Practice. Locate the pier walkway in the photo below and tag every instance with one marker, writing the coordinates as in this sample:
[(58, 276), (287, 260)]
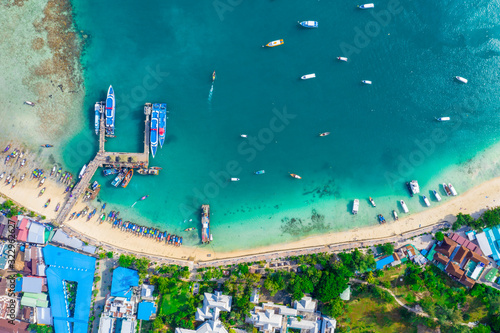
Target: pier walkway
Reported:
[(103, 158)]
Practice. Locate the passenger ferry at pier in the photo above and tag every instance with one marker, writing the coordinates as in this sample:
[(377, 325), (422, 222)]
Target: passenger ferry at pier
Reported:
[(275, 43), (309, 24), (110, 112), (162, 123), (355, 206), (308, 76), (97, 116), (154, 129), (405, 208), (366, 6)]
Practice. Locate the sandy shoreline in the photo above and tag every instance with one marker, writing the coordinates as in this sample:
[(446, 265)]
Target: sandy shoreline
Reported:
[(472, 202)]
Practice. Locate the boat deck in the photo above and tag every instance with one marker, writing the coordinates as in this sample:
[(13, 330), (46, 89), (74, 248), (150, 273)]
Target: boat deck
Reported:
[(205, 223)]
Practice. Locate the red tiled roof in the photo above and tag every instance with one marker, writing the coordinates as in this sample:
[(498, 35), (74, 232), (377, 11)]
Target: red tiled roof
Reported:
[(466, 281), (477, 258), (460, 255), (440, 258), (447, 247), (454, 270)]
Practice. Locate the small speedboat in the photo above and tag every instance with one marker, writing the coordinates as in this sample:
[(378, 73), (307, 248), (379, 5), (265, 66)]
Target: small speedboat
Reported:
[(189, 229), (213, 76), (235, 179), (342, 59), (443, 119), (446, 189), (295, 176), (366, 6), (395, 215), (366, 81), (29, 103), (94, 185), (244, 135), (405, 208), (309, 24), (324, 134), (47, 203), (436, 195), (308, 76), (461, 79), (452, 189), (6, 149), (355, 206), (427, 202), (381, 219), (372, 202), (275, 43), (260, 172), (47, 146)]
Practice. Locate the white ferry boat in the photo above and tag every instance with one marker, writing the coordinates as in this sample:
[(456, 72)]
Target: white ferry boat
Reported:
[(414, 187), (461, 79), (342, 59), (355, 206), (405, 208), (366, 82), (452, 189), (443, 119), (366, 6), (308, 76), (436, 195), (427, 202)]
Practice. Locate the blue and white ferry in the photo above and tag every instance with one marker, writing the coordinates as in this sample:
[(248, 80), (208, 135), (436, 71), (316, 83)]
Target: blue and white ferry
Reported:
[(110, 112), (309, 24)]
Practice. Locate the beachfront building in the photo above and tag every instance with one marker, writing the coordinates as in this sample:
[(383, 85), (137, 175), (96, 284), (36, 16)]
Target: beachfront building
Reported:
[(65, 266), (271, 318), (489, 241), (62, 238), (118, 315), (213, 304), (125, 282)]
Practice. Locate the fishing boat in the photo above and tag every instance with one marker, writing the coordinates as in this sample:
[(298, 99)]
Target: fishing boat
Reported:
[(436, 195), (295, 176), (6, 149), (42, 181), (22, 177), (461, 79), (189, 229), (57, 207), (47, 203), (415, 189), (149, 171), (9, 180), (309, 24), (260, 172), (213, 76), (58, 174), (275, 43), (443, 119), (162, 124), (7, 159), (243, 135), (154, 129), (29, 103), (72, 216), (110, 112), (452, 189), (103, 207), (395, 214), (372, 202), (355, 206), (235, 179), (324, 134), (426, 201), (23, 162), (94, 185), (82, 171), (366, 6), (3, 174), (127, 178), (97, 116), (145, 197), (47, 146), (53, 171), (118, 179), (308, 76), (342, 59), (366, 81), (446, 189), (14, 183), (112, 171), (403, 205), (381, 219)]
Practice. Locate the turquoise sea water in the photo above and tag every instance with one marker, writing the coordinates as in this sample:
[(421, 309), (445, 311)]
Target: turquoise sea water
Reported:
[(382, 135)]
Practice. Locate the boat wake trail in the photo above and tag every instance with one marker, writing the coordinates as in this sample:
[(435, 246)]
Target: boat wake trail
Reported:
[(134, 204), (210, 93)]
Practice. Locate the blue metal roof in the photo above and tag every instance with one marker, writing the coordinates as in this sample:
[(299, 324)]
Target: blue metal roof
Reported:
[(385, 261), (123, 279), (145, 310), (70, 266)]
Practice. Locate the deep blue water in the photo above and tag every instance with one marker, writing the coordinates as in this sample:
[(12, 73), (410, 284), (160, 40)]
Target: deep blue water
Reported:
[(382, 135)]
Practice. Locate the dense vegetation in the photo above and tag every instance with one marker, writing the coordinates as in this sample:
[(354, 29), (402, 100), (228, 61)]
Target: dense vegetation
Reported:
[(488, 219)]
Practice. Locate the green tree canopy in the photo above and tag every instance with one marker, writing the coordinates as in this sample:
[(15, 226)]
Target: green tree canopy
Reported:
[(439, 236)]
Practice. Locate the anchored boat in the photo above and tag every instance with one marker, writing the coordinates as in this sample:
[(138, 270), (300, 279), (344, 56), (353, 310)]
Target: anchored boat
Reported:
[(260, 172), (118, 179), (372, 202), (366, 81), (324, 134), (342, 59), (381, 219), (355, 206), (414, 188), (162, 123), (436, 195), (443, 119), (405, 208), (127, 178), (295, 176), (427, 202), (395, 215), (149, 171), (275, 43), (97, 116), (29, 103), (110, 112), (461, 79), (308, 76), (154, 129), (446, 189), (366, 6), (452, 189), (235, 179), (309, 24)]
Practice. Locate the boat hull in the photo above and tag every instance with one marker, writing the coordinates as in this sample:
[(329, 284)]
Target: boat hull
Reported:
[(110, 112)]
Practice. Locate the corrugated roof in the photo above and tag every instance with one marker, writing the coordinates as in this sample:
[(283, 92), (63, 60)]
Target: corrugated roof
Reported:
[(32, 284), (145, 310), (36, 233)]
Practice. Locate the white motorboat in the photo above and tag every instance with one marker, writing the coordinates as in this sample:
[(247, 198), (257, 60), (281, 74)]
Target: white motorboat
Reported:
[(427, 202), (342, 58), (366, 6), (405, 208), (447, 189), (355, 206), (82, 172), (235, 179), (443, 119), (414, 187), (274, 43), (309, 24), (395, 215), (243, 135), (436, 195), (366, 82), (452, 189), (461, 79), (308, 76), (29, 103), (372, 202)]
